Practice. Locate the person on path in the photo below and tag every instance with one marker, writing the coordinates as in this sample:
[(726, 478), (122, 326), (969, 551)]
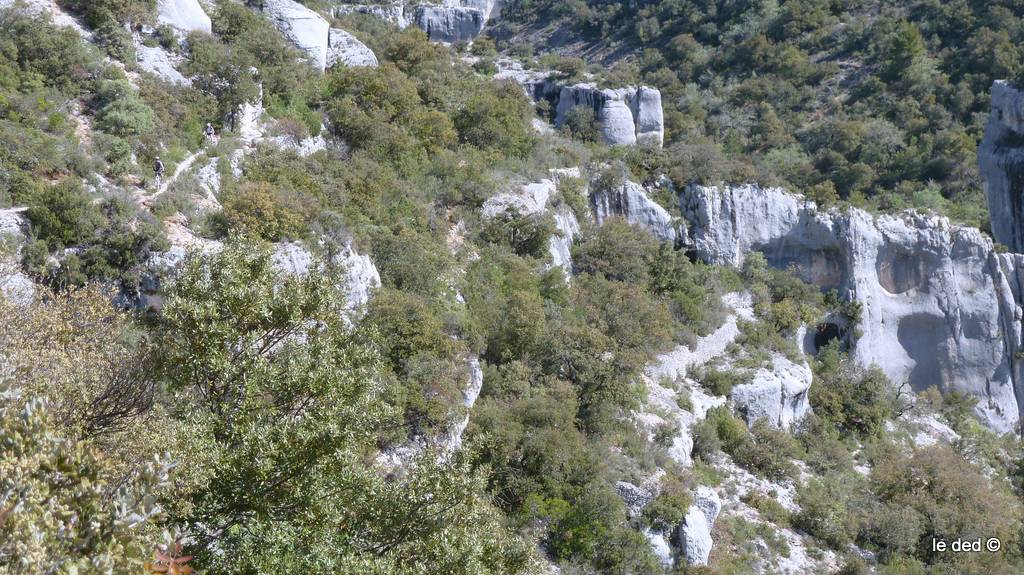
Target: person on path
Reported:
[(158, 170)]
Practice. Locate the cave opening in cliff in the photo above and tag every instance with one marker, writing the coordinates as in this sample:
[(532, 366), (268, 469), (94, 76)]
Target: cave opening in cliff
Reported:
[(826, 333)]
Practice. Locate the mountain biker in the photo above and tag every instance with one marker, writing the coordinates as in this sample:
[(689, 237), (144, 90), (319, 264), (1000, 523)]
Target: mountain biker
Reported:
[(158, 169)]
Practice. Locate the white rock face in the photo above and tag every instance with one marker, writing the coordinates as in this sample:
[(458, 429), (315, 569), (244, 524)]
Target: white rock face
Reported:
[(394, 13), (361, 276), (1001, 165), (660, 547), (627, 116), (348, 50), (940, 306), (302, 26), (159, 62), (185, 15), (56, 14), (449, 24), (361, 280), (662, 400), (695, 532), (533, 199), (13, 227), (247, 120), (631, 202), (567, 227), (645, 104), (530, 199), (777, 395), (14, 284), (452, 440), (489, 8)]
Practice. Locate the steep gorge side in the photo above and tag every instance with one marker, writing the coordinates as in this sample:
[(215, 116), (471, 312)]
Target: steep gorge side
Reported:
[(940, 306), (1001, 165)]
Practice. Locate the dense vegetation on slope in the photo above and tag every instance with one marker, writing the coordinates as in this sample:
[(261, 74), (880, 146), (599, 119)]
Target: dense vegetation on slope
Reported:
[(880, 103), (272, 411)]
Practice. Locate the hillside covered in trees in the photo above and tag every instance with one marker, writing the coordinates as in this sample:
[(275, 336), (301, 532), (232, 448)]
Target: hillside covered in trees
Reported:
[(297, 287)]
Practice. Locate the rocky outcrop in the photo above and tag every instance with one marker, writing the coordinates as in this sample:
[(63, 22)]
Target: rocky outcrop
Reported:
[(449, 23), (533, 199), (695, 532), (777, 395), (489, 8), (14, 229), (248, 117), (629, 200), (184, 15), (393, 13), (361, 276), (940, 307), (360, 279), (306, 29), (1001, 165), (451, 441), (159, 62), (348, 50), (626, 116)]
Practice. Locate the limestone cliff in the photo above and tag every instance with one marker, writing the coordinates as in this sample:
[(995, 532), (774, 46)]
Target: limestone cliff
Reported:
[(185, 15), (629, 201), (940, 305), (309, 31), (626, 116), (1001, 165)]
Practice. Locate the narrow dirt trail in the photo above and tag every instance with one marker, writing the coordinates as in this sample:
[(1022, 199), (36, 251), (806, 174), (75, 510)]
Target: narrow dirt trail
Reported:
[(146, 200)]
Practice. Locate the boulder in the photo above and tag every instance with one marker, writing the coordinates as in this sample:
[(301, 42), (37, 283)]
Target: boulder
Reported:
[(449, 24), (626, 116), (695, 532), (629, 201), (306, 29), (940, 306), (1001, 165), (184, 15), (660, 547), (777, 395), (348, 50)]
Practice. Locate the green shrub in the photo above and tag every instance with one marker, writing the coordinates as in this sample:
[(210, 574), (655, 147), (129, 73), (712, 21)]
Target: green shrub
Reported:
[(64, 214), (824, 513), (768, 507), (526, 234), (669, 508), (260, 210), (854, 400), (719, 381), (616, 250)]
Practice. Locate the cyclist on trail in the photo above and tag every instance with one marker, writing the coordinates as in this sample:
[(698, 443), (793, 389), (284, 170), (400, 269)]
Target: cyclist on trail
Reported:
[(158, 170), (211, 135)]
